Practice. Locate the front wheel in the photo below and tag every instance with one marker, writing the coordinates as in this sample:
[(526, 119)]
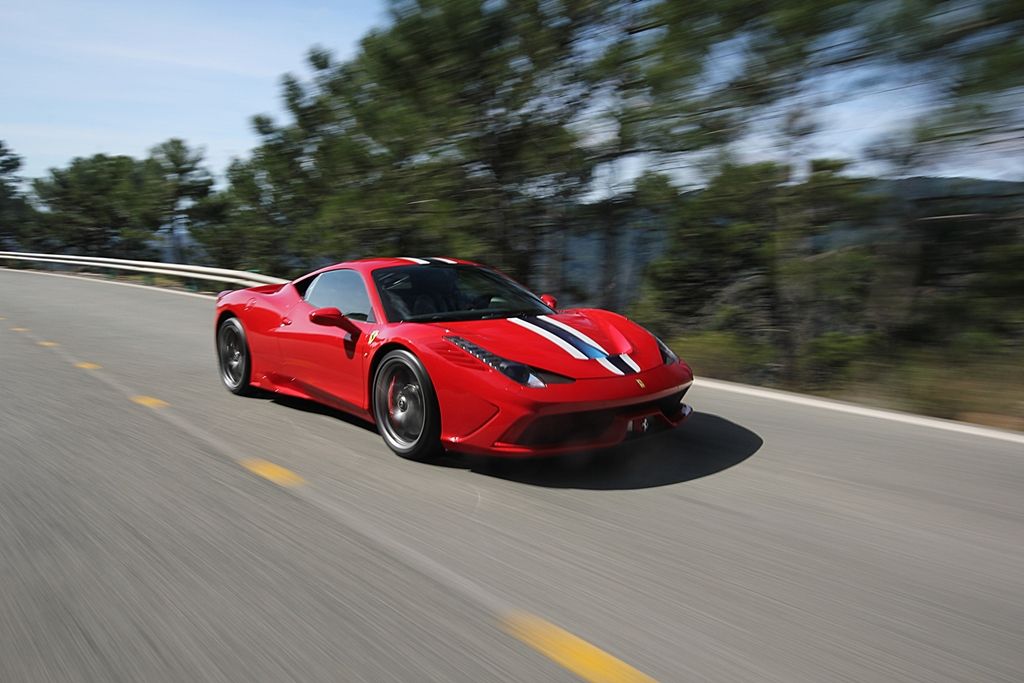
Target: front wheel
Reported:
[(405, 407), (233, 357)]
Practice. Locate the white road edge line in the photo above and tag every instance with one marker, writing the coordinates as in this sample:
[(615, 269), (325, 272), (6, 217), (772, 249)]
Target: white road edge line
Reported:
[(111, 282), (840, 407)]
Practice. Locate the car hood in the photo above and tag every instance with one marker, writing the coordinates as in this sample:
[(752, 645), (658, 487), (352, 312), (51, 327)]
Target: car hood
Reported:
[(581, 343)]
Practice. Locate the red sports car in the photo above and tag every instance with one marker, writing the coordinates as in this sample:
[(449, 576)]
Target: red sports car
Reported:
[(445, 353)]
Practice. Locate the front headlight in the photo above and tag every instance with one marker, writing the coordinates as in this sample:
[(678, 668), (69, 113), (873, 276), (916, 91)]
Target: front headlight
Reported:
[(517, 372), (668, 356)]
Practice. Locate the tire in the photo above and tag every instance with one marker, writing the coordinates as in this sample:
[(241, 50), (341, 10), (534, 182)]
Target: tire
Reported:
[(233, 357), (405, 407)]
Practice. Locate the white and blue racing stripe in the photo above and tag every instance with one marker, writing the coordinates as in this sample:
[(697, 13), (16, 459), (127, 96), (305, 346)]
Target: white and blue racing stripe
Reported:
[(610, 366), (553, 338), (573, 331), (630, 362), (577, 344), (621, 365), (578, 341)]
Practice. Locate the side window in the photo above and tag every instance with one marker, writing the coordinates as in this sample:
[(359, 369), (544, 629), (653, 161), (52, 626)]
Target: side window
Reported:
[(341, 289)]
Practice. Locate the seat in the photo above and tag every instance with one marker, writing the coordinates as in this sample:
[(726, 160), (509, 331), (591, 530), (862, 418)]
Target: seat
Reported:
[(424, 305)]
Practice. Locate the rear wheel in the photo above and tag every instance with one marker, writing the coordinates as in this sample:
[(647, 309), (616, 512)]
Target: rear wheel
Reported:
[(405, 407), (233, 357)]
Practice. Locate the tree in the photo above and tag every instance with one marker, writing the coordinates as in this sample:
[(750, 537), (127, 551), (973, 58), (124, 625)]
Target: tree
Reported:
[(970, 57), (179, 180), (16, 214), (438, 136), (101, 206), (777, 262), (240, 226)]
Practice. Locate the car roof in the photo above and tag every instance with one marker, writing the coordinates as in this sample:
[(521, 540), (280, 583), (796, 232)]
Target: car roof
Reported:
[(367, 265)]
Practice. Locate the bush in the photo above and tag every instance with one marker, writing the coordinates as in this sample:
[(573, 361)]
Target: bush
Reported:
[(932, 386), (827, 357), (725, 355)]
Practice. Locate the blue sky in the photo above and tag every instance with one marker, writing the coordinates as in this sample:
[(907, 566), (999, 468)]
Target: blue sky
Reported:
[(79, 77)]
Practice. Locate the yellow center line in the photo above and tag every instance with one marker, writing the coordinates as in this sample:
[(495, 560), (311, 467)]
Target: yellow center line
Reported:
[(48, 344), (150, 402), (575, 654), (19, 329), (86, 365), (274, 473)]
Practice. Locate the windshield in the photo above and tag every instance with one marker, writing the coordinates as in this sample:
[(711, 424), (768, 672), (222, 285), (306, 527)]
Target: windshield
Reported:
[(451, 292)]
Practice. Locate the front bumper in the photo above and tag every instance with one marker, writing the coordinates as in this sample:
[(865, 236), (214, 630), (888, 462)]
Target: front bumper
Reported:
[(585, 415)]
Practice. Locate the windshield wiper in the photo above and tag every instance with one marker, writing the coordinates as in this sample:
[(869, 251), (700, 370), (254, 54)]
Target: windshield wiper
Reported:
[(506, 314), (429, 317)]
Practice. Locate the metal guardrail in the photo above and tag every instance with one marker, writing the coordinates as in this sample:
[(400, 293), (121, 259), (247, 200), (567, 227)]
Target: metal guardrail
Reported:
[(238, 277)]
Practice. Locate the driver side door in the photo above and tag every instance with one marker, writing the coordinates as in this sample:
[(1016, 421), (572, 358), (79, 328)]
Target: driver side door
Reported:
[(325, 362)]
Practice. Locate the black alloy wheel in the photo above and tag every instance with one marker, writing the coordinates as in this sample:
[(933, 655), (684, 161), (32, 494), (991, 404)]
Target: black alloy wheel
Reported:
[(405, 407), (233, 356)]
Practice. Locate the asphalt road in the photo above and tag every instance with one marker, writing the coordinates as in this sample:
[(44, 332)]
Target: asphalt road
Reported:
[(154, 527)]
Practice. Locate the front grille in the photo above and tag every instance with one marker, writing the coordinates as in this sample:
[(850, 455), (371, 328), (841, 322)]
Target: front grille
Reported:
[(566, 429)]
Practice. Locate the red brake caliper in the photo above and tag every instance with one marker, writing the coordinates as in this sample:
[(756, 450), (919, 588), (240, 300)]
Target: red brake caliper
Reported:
[(391, 403)]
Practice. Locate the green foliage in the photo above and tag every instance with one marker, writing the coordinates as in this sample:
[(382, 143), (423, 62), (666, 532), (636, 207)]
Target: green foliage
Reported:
[(725, 231), (808, 269), (825, 357), (16, 215), (100, 205), (448, 131), (982, 386), (971, 57), (179, 177), (722, 354), (116, 205)]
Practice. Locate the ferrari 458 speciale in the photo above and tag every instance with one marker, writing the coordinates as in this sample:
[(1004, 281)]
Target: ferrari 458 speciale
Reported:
[(442, 353)]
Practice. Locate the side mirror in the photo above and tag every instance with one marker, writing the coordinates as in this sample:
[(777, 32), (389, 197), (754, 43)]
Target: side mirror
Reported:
[(330, 316), (549, 301)]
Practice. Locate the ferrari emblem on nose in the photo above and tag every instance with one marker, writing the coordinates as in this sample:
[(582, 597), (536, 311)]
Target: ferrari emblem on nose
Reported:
[(373, 335), (640, 383)]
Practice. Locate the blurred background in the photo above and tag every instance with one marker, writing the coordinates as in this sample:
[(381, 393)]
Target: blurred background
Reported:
[(823, 196)]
